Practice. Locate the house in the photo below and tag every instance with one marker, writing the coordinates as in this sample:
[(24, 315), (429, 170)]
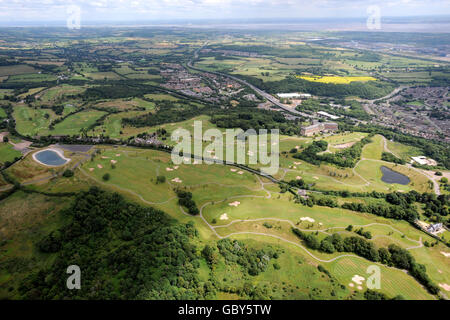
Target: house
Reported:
[(433, 228)]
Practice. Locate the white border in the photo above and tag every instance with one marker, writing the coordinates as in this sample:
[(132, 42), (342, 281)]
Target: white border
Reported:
[(61, 154)]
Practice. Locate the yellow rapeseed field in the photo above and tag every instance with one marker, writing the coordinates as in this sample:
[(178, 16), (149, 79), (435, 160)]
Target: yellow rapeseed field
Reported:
[(335, 79)]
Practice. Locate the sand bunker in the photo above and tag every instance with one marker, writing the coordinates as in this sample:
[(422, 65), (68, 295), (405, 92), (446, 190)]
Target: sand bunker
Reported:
[(298, 178), (358, 279), (444, 286), (297, 163), (117, 154), (224, 217), (91, 169), (307, 219), (359, 287), (103, 157), (177, 180), (317, 178), (169, 169), (351, 284), (99, 166), (233, 170), (446, 254), (241, 172), (175, 168), (113, 161), (234, 204)]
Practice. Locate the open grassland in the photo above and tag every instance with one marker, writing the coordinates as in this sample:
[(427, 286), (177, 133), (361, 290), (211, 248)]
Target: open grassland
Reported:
[(160, 97), (24, 220), (16, 69), (7, 153), (403, 151)]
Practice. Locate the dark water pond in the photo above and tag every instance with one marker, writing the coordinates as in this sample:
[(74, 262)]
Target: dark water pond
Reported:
[(50, 158), (391, 176)]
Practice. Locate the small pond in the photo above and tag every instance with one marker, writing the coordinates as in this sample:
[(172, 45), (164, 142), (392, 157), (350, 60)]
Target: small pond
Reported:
[(391, 176), (50, 158)]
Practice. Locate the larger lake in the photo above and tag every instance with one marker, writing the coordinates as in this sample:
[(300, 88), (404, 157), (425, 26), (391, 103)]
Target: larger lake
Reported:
[(391, 176), (50, 158)]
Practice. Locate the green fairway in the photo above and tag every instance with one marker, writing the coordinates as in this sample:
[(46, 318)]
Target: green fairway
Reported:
[(75, 123)]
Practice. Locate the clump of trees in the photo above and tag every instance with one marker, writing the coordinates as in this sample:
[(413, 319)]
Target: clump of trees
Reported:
[(346, 158), (387, 156), (185, 200), (252, 260)]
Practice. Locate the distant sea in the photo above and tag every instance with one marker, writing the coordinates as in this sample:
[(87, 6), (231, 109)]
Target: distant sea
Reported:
[(430, 24)]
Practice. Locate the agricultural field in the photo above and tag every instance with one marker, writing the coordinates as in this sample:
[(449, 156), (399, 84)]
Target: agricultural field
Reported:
[(336, 79)]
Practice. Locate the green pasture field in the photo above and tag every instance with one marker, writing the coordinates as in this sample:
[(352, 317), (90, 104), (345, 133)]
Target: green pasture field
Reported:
[(16, 70), (31, 77), (103, 75), (161, 97), (30, 92), (3, 113), (7, 153)]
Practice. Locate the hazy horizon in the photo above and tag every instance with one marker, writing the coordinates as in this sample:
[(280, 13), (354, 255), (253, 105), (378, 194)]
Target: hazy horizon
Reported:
[(49, 11)]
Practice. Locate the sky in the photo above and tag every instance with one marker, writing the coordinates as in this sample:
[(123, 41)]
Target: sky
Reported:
[(154, 10)]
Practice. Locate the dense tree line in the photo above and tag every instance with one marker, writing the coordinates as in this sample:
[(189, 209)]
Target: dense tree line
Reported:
[(252, 118)]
